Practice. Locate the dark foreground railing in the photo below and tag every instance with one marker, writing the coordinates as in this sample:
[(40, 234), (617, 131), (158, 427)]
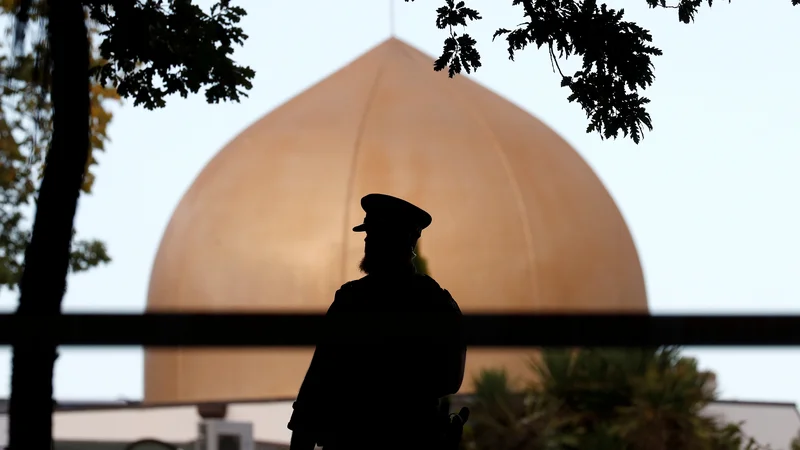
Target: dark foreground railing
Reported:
[(519, 330)]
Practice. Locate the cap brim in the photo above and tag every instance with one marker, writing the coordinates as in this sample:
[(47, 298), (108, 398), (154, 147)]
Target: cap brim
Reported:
[(362, 227)]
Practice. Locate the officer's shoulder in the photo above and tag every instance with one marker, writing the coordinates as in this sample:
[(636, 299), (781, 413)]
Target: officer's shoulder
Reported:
[(354, 284), (443, 294), (426, 281), (345, 296), (351, 286)]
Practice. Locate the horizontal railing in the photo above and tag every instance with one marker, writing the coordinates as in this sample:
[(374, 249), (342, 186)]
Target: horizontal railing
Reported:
[(485, 330)]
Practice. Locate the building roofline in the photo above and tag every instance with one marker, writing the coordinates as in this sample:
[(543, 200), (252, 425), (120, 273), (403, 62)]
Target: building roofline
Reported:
[(68, 406), (84, 406), (755, 403), (78, 405)]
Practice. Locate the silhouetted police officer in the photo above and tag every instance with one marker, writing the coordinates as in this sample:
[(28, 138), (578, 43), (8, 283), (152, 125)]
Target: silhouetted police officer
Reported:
[(392, 346)]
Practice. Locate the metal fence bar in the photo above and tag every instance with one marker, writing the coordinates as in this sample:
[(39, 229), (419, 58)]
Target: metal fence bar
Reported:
[(292, 330)]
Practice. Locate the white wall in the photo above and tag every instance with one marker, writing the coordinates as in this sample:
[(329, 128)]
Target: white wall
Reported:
[(772, 424), (269, 419), (171, 424), (3, 430)]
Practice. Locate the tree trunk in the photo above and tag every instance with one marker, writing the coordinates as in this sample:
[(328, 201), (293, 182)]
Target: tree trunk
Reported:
[(47, 256)]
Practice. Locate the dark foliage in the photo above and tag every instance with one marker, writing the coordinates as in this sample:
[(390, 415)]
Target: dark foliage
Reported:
[(602, 398), (151, 49), (154, 51), (25, 134), (616, 54)]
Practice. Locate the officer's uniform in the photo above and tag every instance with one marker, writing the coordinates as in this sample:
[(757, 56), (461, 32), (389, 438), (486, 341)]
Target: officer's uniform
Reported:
[(392, 347)]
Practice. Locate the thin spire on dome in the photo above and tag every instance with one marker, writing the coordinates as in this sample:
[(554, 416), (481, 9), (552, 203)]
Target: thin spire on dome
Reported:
[(391, 18)]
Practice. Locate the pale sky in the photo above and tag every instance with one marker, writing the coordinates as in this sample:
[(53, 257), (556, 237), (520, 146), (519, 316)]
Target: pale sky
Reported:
[(710, 195)]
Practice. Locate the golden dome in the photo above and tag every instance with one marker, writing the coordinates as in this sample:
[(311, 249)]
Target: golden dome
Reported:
[(520, 221)]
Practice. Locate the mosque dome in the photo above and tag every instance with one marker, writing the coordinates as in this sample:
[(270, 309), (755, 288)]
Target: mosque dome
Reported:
[(520, 221)]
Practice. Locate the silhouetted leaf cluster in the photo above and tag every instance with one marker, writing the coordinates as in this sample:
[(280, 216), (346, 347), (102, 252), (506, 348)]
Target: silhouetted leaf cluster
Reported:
[(149, 50), (459, 51), (25, 134), (616, 54), (686, 8), (157, 48)]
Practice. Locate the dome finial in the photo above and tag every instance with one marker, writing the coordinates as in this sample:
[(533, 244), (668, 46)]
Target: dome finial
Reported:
[(391, 18)]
